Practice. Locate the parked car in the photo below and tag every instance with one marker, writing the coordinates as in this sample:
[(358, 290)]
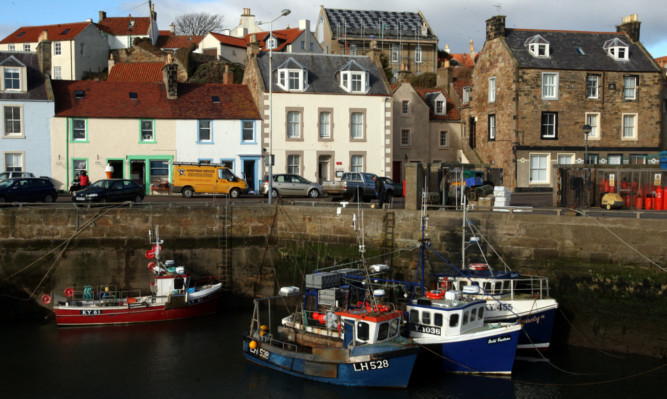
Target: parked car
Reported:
[(353, 186), (392, 188), (291, 185), (27, 189), (110, 190), (9, 175)]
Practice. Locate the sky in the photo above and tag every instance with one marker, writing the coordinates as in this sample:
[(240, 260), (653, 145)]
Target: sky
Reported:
[(454, 22)]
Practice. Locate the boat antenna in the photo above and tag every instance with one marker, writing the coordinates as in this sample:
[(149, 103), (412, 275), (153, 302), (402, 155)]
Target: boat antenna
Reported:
[(424, 239)]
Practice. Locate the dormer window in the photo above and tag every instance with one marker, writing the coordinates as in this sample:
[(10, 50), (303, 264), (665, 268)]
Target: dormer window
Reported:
[(292, 76), (13, 75), (354, 78), (271, 43), (617, 49), (537, 46)]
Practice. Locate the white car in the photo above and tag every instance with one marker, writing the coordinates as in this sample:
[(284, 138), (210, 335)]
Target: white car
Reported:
[(291, 185)]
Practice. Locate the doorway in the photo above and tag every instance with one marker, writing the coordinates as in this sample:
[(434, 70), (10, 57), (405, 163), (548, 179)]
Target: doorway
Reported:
[(117, 165), (396, 171), (473, 133), (323, 168), (249, 166), (138, 172)]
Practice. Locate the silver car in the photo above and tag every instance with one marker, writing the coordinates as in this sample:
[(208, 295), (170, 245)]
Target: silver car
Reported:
[(287, 185), (9, 175)]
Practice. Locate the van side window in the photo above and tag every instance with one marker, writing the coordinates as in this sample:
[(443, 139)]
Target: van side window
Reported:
[(226, 174)]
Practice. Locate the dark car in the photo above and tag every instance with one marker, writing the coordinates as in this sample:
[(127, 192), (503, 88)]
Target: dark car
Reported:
[(392, 188), (110, 190), (291, 185), (27, 189)]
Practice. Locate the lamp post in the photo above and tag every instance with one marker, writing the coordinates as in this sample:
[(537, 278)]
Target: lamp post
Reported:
[(270, 155), (587, 129)]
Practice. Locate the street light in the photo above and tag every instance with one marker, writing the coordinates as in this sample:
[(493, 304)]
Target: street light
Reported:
[(270, 156), (587, 129)]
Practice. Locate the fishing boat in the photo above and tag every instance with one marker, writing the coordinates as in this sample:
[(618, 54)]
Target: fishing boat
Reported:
[(172, 296), (453, 327), (339, 333), (510, 296)]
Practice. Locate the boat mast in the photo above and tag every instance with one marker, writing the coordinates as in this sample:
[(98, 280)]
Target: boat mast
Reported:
[(463, 223)]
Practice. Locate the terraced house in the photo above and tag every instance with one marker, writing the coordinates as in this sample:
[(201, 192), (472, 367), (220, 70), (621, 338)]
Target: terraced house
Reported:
[(534, 90)]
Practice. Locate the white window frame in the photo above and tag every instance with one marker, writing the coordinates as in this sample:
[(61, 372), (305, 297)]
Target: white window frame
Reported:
[(356, 125), (593, 120), (205, 126), (13, 121), (248, 128), (292, 79), (565, 159), (13, 75), (9, 159), (293, 125), (549, 88), (395, 54), (553, 124), (145, 128), (614, 159), (440, 108), (354, 81), (617, 49), (324, 125), (466, 94), (492, 89), (271, 43), (418, 55), (57, 48), (26, 47), (592, 86), (294, 164), (405, 107), (540, 171), (630, 84), (629, 127), (492, 127), (57, 72), (79, 129), (356, 163)]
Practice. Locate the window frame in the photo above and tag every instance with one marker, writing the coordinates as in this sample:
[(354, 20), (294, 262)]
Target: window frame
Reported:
[(549, 135), (633, 87), (395, 54), (590, 88), (466, 94), (540, 168), (201, 128), (293, 163), (57, 72), (14, 154), (491, 126), (492, 89), (291, 125), (13, 75), (443, 135), (359, 126), (634, 126), (405, 138), (13, 135), (329, 124), (153, 138), (360, 166), (553, 86), (405, 107), (593, 120), (248, 126), (74, 129), (57, 48), (418, 55)]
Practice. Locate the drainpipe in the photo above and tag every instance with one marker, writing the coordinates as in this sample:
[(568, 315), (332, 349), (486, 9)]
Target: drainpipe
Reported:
[(67, 152)]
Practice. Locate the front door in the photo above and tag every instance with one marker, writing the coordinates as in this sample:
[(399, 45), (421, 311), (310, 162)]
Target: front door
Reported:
[(323, 168), (138, 172), (249, 173), (473, 133), (396, 171)]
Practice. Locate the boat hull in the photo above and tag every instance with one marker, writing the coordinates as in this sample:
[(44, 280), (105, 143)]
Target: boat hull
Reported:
[(487, 353), (537, 318), (135, 313), (390, 368)]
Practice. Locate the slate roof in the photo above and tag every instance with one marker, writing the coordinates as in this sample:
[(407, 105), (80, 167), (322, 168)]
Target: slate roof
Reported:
[(112, 100), (322, 71), (30, 34), (564, 56), (177, 41), (136, 72), (36, 87), (365, 23), (429, 94), (119, 26)]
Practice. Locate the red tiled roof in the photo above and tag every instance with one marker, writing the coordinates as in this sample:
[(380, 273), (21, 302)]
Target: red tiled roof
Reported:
[(230, 40), (119, 26), (460, 84), (136, 72), (112, 100), (662, 61), (452, 111), (464, 59), (177, 41), (284, 36), (30, 34)]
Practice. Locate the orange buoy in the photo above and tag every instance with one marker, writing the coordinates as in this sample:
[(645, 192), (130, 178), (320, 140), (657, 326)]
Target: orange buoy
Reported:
[(131, 300), (435, 294), (478, 266), (46, 298), (69, 292)]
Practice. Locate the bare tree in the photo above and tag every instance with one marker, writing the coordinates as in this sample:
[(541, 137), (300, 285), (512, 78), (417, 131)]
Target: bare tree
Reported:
[(198, 23)]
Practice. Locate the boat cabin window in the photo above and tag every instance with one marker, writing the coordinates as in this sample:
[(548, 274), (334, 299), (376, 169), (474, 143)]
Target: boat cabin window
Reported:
[(481, 312), (437, 319), (465, 318), (414, 316), (487, 288), (395, 325), (383, 331), (363, 331), (454, 320), (426, 317), (473, 315), (178, 283)]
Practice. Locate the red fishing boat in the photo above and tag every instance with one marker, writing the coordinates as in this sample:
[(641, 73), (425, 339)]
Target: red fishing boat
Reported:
[(172, 296)]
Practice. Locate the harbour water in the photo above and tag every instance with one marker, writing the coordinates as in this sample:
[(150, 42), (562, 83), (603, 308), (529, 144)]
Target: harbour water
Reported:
[(202, 358)]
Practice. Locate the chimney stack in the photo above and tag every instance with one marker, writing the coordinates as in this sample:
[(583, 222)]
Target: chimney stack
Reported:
[(169, 77), (103, 16), (630, 25), (495, 27), (227, 76)]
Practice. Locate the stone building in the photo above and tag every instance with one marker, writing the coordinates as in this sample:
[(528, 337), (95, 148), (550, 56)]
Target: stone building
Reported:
[(534, 90)]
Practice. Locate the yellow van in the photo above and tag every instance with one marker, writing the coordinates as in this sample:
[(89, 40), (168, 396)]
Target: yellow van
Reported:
[(206, 178)]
